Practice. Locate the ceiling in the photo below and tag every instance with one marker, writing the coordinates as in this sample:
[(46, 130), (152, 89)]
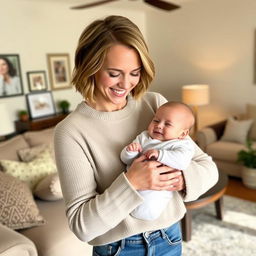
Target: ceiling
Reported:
[(117, 3)]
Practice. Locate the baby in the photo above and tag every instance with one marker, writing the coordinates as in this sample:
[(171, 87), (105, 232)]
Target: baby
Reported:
[(165, 141)]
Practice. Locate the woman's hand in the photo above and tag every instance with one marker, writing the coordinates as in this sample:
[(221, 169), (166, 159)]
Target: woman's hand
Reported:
[(152, 175)]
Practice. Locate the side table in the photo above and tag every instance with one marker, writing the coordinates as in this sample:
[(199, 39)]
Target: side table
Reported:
[(215, 194), (39, 123)]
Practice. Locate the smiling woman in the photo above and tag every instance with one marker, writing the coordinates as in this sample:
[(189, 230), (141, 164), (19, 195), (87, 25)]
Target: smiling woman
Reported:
[(113, 71), (117, 77)]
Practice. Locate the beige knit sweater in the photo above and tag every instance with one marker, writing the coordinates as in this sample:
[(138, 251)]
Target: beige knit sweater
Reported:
[(97, 194)]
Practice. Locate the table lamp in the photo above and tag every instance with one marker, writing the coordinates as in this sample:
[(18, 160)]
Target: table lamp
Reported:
[(6, 125), (195, 95)]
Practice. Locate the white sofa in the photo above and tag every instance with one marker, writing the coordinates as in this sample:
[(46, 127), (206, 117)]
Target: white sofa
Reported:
[(51, 239)]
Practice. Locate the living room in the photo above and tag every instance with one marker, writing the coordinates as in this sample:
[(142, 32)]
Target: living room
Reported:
[(203, 42)]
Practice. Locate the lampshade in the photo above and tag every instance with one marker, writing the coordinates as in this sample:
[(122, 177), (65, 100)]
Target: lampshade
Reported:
[(195, 94), (6, 125)]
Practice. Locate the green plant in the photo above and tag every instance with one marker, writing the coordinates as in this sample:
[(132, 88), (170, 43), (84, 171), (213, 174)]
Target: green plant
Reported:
[(248, 157), (23, 112), (64, 105)]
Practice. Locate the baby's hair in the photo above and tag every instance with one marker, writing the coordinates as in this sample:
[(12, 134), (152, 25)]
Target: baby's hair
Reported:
[(181, 104)]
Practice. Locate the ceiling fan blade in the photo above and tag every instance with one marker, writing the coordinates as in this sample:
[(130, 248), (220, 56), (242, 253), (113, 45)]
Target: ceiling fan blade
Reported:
[(92, 4), (162, 5)]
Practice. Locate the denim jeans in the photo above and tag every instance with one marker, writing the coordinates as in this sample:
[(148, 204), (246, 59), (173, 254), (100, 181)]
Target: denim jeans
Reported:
[(163, 242)]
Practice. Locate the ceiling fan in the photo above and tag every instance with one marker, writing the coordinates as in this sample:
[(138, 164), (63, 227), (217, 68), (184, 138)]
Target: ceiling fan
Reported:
[(156, 3)]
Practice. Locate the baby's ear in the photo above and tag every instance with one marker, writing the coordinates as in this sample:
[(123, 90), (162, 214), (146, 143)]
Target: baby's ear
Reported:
[(184, 134)]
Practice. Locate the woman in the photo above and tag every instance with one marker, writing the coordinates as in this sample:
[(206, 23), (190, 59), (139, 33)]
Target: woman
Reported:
[(9, 82), (113, 71)]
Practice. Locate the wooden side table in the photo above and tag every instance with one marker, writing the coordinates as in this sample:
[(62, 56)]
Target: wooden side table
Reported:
[(38, 124), (215, 194)]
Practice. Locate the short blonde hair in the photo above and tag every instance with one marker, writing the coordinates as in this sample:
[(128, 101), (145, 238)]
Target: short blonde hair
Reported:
[(92, 47)]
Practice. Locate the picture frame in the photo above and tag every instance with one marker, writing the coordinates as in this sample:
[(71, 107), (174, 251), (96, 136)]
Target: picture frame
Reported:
[(59, 71), (10, 76), (37, 81), (40, 104)]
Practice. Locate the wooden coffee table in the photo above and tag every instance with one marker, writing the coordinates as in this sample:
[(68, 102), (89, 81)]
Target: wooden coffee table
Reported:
[(215, 194)]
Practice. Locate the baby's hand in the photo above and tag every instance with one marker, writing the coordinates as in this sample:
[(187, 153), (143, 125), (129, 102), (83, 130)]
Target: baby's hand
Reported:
[(152, 154), (134, 147)]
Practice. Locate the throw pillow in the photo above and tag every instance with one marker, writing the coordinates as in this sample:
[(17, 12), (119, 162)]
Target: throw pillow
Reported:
[(31, 172), (251, 113), (18, 209), (236, 130), (29, 154), (8, 148), (35, 138), (49, 188)]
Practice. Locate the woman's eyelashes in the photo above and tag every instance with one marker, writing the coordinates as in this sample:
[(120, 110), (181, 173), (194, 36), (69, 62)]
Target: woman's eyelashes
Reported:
[(111, 74), (114, 74)]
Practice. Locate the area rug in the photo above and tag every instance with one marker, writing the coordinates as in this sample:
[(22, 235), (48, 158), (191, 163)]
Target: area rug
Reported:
[(234, 236)]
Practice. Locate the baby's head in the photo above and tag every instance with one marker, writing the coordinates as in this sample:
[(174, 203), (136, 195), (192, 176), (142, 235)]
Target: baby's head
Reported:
[(172, 120)]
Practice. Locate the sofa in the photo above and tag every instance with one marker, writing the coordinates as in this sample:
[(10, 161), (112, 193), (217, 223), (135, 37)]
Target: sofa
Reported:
[(223, 140), (32, 213)]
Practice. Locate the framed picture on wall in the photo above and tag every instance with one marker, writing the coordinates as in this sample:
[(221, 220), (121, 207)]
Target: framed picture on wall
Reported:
[(40, 104), (59, 71), (37, 81), (10, 76)]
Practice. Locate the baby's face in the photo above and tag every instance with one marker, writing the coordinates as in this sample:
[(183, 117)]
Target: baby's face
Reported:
[(168, 123)]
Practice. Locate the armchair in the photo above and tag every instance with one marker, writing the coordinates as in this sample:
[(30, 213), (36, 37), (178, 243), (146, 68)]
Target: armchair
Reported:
[(224, 153)]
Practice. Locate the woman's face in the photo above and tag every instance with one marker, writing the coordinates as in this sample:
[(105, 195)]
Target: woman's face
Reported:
[(119, 74), (4, 69)]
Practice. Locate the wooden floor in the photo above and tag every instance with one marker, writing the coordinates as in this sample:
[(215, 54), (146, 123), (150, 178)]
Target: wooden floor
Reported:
[(237, 189)]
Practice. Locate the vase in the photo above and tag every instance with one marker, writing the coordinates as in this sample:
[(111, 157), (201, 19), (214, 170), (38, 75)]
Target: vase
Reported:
[(249, 177)]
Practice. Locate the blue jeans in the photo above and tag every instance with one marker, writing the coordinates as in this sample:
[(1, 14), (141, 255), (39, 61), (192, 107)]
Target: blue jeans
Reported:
[(163, 242)]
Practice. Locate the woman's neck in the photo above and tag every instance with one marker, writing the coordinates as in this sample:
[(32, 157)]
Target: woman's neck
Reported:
[(105, 107)]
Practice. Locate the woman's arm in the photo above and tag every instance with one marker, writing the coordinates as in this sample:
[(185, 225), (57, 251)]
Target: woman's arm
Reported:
[(90, 213)]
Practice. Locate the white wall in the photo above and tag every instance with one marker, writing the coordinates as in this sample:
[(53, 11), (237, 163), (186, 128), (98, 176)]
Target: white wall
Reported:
[(206, 41), (210, 42), (34, 28)]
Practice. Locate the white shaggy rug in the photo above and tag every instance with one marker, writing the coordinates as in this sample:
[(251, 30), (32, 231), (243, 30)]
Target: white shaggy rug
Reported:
[(234, 236)]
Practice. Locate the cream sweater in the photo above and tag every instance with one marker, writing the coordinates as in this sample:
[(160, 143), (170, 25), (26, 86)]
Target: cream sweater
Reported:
[(97, 194)]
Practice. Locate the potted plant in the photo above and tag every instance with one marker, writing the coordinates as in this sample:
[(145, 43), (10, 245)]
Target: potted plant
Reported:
[(64, 106), (23, 115), (248, 159)]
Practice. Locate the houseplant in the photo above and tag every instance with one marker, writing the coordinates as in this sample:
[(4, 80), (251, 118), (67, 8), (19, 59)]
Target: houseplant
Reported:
[(23, 115), (64, 106), (248, 159)]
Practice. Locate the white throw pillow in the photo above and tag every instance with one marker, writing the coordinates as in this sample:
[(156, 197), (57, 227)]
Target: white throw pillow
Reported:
[(236, 130), (49, 188)]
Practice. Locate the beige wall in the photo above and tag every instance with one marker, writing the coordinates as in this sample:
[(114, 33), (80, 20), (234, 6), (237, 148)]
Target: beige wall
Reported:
[(33, 28), (210, 42), (206, 41)]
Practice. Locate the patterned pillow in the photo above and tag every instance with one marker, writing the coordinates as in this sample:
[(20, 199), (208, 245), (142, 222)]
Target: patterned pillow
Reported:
[(18, 209), (49, 188), (31, 172)]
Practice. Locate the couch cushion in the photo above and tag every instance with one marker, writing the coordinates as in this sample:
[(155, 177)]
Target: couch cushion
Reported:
[(35, 138), (251, 113), (17, 207), (224, 150), (31, 172), (49, 188), (15, 244), (8, 149), (236, 130), (55, 238)]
